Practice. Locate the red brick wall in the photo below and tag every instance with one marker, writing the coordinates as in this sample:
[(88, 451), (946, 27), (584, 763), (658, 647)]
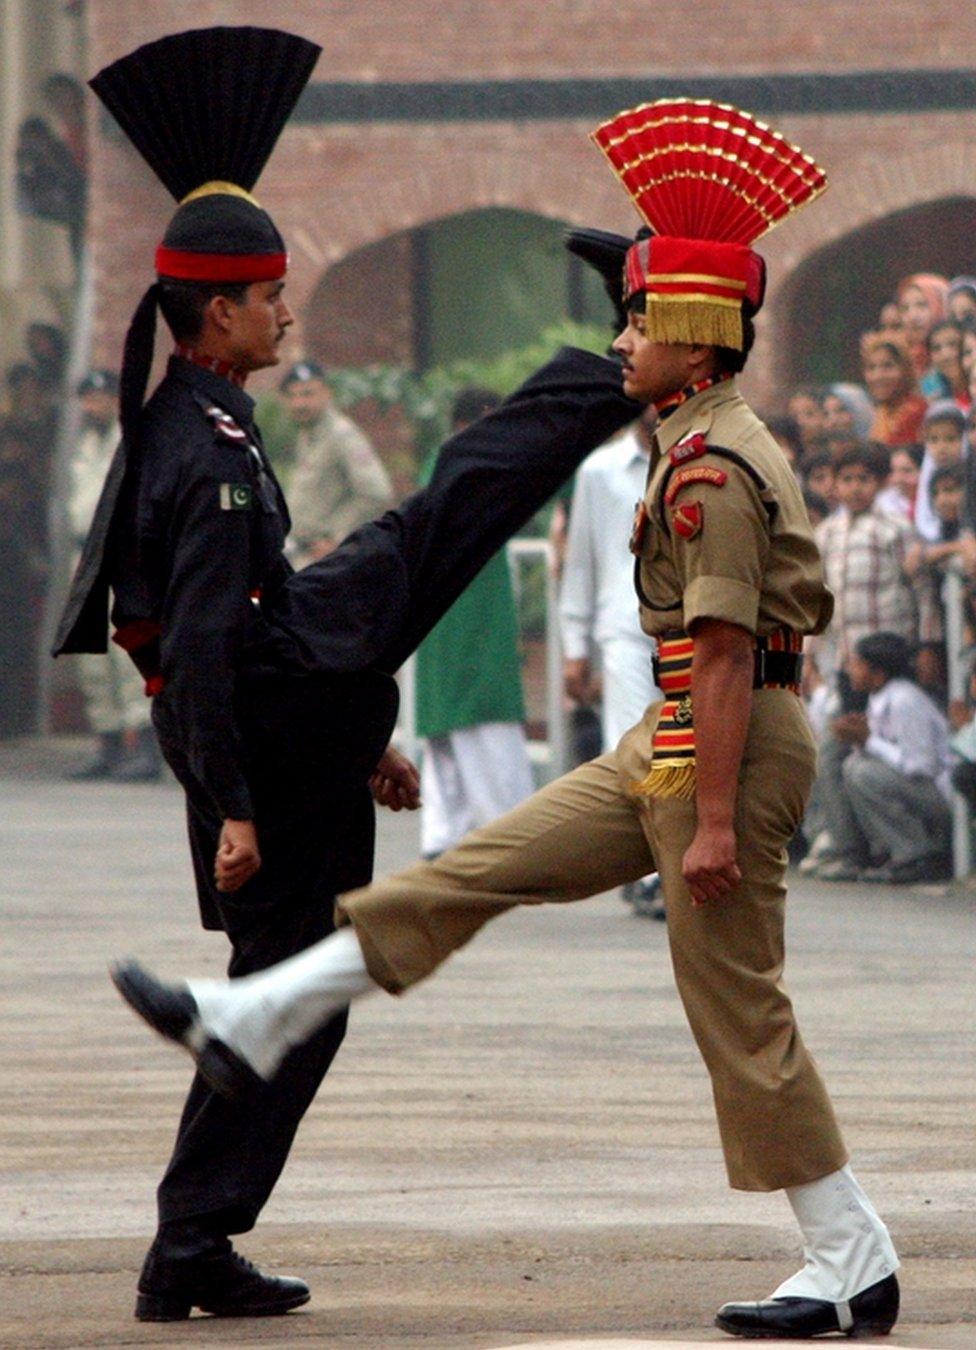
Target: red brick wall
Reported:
[(498, 39), (336, 189)]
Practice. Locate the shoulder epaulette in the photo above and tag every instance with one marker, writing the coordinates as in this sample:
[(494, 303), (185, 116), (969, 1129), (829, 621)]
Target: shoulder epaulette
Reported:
[(694, 447)]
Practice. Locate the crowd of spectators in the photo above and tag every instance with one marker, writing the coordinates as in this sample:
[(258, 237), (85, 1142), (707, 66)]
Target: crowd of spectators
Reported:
[(889, 479)]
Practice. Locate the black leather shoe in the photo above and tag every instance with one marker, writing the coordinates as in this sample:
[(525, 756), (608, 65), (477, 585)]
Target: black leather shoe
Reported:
[(873, 1312), (224, 1285), (171, 1010)]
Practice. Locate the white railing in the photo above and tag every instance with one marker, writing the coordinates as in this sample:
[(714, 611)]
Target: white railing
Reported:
[(953, 592)]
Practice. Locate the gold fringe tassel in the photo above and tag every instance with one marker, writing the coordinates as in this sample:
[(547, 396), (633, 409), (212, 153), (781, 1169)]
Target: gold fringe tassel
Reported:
[(673, 319), (667, 780)]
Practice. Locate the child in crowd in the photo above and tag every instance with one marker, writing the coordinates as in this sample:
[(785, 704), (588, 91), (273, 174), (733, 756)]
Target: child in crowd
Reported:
[(942, 433), (945, 378), (967, 351), (818, 508), (962, 298), (897, 498), (864, 554), (927, 564), (786, 433), (806, 409), (819, 477)]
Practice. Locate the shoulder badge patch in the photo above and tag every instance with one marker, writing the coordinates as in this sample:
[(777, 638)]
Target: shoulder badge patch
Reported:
[(688, 519), (225, 426), (236, 497), (694, 473), (692, 447)]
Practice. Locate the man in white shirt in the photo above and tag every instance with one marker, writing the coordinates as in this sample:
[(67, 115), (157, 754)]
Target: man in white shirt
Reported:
[(888, 801), (597, 609)]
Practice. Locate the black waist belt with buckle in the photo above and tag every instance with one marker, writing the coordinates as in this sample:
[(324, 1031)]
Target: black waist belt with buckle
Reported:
[(777, 660)]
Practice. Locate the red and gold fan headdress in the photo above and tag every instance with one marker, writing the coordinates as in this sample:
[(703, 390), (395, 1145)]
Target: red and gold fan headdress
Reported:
[(709, 180)]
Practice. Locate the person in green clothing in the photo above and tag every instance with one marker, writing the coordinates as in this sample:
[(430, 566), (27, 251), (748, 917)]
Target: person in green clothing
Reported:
[(470, 709)]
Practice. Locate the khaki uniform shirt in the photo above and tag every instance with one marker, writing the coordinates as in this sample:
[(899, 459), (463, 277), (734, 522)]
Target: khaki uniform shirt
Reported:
[(88, 469), (726, 538), (337, 483)]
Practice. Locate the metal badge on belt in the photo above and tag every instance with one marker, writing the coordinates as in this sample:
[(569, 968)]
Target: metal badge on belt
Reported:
[(236, 497)]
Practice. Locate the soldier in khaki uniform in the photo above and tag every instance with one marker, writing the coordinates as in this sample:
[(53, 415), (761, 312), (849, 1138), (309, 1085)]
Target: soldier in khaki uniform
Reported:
[(115, 699), (337, 483), (708, 788)]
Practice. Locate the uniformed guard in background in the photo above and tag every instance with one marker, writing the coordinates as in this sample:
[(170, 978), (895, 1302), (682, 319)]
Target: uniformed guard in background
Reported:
[(115, 702), (272, 691), (337, 481), (710, 786)]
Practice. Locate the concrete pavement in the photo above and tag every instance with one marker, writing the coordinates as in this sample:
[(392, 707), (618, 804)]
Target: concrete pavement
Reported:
[(520, 1151)]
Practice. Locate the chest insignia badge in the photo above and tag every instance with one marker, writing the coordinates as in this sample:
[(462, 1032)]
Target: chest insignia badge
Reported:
[(688, 519), (692, 447), (639, 529), (694, 473), (236, 496)]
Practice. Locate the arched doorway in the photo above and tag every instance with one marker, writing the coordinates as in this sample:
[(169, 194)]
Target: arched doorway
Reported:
[(838, 291), (474, 285), (470, 286)]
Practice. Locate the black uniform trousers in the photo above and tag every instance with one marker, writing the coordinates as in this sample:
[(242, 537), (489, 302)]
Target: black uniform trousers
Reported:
[(311, 743)]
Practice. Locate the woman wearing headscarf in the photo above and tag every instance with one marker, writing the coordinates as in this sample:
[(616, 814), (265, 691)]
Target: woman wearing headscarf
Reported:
[(922, 302), (961, 298), (945, 377), (848, 410), (890, 379)]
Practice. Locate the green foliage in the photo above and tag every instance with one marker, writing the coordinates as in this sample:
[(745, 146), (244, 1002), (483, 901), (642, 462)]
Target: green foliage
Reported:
[(278, 431)]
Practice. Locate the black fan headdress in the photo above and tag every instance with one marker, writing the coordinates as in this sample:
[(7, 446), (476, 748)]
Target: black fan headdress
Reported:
[(205, 109)]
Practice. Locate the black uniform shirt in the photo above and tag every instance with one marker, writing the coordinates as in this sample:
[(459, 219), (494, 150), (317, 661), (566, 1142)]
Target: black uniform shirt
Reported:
[(198, 533)]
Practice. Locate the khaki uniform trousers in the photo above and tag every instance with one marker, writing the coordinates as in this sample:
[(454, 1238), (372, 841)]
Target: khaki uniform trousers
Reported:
[(114, 692), (585, 834)]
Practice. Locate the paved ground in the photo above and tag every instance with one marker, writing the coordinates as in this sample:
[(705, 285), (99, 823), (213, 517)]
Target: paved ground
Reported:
[(521, 1151)]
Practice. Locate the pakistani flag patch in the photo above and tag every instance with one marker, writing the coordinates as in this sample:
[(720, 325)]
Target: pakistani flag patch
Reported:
[(235, 497)]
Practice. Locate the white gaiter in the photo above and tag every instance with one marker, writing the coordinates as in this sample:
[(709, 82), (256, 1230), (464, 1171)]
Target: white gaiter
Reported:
[(262, 1016), (846, 1247)]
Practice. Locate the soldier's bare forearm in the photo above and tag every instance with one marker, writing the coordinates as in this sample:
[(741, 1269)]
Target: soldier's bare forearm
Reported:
[(721, 692)]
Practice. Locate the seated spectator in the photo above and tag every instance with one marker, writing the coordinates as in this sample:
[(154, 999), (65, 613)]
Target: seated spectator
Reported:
[(898, 496), (884, 775), (963, 741), (945, 378), (864, 554), (942, 434), (819, 476), (848, 411), (890, 379)]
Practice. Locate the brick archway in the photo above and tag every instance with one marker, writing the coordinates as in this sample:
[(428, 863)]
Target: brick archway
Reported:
[(547, 170)]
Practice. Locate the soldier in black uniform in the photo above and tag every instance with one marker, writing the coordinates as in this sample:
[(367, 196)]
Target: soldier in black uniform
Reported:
[(273, 692)]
